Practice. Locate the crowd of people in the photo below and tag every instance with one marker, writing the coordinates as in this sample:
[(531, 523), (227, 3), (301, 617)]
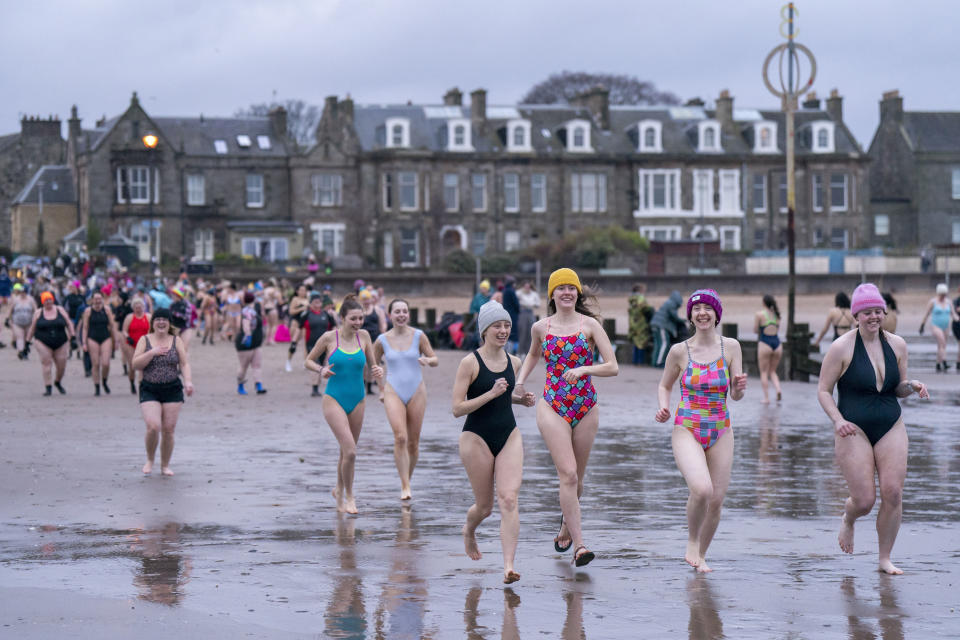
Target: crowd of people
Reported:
[(361, 345)]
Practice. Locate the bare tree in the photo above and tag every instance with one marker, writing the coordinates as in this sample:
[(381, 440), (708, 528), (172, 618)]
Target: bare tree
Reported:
[(561, 87), (302, 119)]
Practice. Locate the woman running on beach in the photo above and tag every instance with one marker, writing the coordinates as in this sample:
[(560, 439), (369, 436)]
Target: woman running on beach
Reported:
[(21, 317), (53, 331), (940, 311), (491, 447), (567, 415), (405, 351), (839, 317), (869, 369), (249, 343), (769, 349), (297, 309), (209, 312), (97, 339), (347, 352), (710, 369), (135, 326), (163, 359), (232, 303)]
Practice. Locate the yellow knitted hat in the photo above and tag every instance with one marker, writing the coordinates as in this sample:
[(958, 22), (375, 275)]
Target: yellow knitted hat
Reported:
[(563, 276)]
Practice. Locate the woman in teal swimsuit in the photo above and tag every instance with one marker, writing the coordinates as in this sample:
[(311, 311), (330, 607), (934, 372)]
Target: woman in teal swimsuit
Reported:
[(940, 311), (348, 350)]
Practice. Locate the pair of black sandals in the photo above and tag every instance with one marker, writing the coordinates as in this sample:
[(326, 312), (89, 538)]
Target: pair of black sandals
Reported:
[(578, 560)]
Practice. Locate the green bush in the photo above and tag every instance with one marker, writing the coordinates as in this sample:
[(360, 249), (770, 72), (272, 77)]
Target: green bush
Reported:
[(459, 261)]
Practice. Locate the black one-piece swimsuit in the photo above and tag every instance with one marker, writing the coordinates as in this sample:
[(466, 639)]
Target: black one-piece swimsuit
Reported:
[(494, 421), (875, 412)]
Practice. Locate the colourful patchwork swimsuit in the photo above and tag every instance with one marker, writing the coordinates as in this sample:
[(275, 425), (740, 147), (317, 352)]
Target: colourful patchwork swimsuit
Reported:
[(703, 399), (570, 401)]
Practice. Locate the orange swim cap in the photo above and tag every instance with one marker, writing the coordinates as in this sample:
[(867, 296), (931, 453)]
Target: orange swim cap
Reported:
[(46, 295)]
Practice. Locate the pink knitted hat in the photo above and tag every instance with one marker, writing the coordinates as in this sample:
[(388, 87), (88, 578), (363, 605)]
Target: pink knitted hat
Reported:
[(866, 296), (705, 296)]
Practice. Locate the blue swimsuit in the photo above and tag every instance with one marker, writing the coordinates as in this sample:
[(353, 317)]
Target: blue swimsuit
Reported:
[(403, 367), (346, 385)]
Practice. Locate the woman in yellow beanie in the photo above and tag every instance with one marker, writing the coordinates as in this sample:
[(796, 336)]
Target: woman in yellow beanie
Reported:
[(567, 416)]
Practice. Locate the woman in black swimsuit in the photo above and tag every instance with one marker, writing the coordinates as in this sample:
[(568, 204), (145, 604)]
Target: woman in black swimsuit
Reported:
[(490, 445), (53, 331), (839, 318), (869, 368), (97, 339)]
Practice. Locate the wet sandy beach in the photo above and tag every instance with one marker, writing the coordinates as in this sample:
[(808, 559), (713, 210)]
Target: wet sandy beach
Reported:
[(245, 540)]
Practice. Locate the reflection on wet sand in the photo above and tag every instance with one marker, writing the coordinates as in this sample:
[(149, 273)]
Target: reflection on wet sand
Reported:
[(346, 616), (705, 622), (471, 610), (163, 570), (403, 603), (573, 623), (888, 614)]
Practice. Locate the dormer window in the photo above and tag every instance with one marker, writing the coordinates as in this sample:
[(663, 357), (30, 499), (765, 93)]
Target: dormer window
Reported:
[(651, 136), (518, 135), (398, 133), (458, 135), (709, 136), (220, 146), (243, 141), (578, 136), (765, 137), (823, 137)]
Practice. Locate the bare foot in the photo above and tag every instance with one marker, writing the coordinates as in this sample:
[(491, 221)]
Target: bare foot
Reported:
[(470, 544), (511, 576), (148, 468), (406, 494), (167, 471), (888, 567), (765, 401), (563, 538), (692, 556), (846, 535), (703, 567), (347, 505)]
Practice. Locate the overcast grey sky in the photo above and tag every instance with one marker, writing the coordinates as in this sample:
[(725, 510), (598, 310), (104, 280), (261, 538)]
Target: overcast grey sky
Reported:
[(186, 57)]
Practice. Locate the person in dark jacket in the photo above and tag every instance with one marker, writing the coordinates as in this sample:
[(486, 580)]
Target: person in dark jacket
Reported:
[(512, 305), (666, 325)]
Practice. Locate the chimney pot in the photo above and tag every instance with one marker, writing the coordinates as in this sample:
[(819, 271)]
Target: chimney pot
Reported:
[(478, 106), (835, 106), (724, 111), (453, 98), (891, 107)]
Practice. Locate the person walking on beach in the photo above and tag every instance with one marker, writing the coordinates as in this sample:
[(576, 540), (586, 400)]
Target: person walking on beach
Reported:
[(162, 358), (710, 368), (529, 307), (405, 351), (491, 447), (666, 325), (639, 315), (249, 344), (53, 331), (869, 369), (135, 325), (839, 317), (769, 349), (297, 310), (22, 310), (97, 339), (940, 311), (568, 416), (344, 400), (316, 322)]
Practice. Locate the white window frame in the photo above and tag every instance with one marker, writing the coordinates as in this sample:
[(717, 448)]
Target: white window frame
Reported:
[(584, 126), (881, 224), (735, 243), (339, 230), (846, 238), (830, 129), (710, 231), (760, 207), (702, 128), (511, 192), (253, 190), (220, 146), (758, 129), (846, 192), (451, 192), (327, 189), (816, 191), (955, 183), (654, 126), (247, 241), (407, 184), (264, 142), (584, 183), (404, 124), (243, 141), (125, 176), (672, 232), (702, 181), (203, 244), (538, 183), (196, 190), (416, 241), (671, 189), (511, 240), (275, 245), (729, 198), (467, 144), (481, 190), (524, 126)]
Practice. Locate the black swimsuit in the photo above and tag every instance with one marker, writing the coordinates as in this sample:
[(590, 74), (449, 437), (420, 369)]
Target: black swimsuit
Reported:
[(494, 421), (875, 412), (98, 328), (52, 333)]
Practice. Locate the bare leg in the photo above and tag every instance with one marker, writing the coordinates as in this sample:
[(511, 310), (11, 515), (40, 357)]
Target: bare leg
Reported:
[(106, 350), (508, 474), (692, 463), (46, 362), (60, 357), (152, 417), (855, 457), (763, 364), (775, 358), (346, 429), (719, 462), (416, 409), (93, 348), (171, 411), (941, 343), (890, 454), (20, 337), (397, 417), (479, 464), (244, 359)]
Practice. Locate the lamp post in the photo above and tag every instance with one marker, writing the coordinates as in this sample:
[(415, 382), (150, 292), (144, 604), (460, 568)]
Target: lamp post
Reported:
[(40, 250), (150, 142), (790, 88)]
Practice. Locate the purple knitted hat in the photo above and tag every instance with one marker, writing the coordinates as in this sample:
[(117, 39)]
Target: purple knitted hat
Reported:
[(705, 296)]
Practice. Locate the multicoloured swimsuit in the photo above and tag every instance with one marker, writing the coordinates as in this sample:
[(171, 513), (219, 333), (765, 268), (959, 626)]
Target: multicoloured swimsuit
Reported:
[(571, 401), (703, 399)]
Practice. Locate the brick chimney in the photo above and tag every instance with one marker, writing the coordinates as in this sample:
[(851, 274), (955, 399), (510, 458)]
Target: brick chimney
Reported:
[(725, 111), (37, 127), (453, 98), (478, 106), (74, 128), (811, 101), (597, 102), (835, 106), (346, 111), (891, 106), (278, 121)]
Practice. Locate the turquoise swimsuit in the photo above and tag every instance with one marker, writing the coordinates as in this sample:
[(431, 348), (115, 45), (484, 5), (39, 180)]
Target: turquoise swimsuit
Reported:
[(346, 385), (940, 317)]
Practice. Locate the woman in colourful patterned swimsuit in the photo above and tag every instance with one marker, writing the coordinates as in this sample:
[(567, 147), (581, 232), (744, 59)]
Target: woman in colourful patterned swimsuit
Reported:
[(710, 368), (567, 416)]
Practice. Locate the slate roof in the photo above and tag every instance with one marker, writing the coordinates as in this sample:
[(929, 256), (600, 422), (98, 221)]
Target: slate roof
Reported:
[(8, 140), (57, 186), (933, 131)]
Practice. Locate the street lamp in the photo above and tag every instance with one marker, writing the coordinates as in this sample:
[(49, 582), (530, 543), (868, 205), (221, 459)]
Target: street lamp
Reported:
[(150, 142)]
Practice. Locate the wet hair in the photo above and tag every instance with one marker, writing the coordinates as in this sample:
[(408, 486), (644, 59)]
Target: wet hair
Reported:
[(585, 303), (395, 301), (889, 299), (770, 303), (841, 300), (349, 304)]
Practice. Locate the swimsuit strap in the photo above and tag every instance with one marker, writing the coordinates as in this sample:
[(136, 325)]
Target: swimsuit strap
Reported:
[(686, 343), (721, 349), (358, 341), (338, 337), (548, 326)]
